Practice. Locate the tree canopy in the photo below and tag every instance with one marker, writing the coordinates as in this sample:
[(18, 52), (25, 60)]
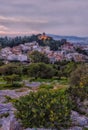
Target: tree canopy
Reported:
[(36, 57), (41, 70)]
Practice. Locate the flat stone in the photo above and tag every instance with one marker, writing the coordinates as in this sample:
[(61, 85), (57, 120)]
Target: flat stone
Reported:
[(76, 128), (33, 84), (38, 129), (86, 126), (78, 119), (82, 121)]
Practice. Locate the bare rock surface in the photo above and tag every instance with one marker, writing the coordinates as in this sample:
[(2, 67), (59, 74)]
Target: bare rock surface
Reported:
[(78, 119), (7, 118), (76, 128)]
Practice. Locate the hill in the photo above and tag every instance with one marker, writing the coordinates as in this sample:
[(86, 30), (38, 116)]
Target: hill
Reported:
[(73, 39)]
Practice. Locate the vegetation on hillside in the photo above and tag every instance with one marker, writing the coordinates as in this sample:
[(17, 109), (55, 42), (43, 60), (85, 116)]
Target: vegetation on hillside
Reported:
[(63, 84), (49, 108), (78, 89), (10, 42), (37, 57), (44, 109)]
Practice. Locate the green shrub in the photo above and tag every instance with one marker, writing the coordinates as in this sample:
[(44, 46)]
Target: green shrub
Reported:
[(46, 86), (17, 85), (44, 109), (41, 70), (79, 85), (85, 129), (8, 99), (10, 86)]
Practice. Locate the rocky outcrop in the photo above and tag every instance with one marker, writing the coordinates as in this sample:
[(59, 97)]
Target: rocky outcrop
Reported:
[(78, 119), (76, 128), (13, 93), (7, 117), (82, 106), (10, 123)]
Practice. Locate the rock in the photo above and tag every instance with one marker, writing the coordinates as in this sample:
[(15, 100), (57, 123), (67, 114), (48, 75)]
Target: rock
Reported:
[(84, 110), (76, 128), (85, 103), (83, 106), (82, 121), (2, 99), (12, 93), (86, 127), (6, 108), (10, 123), (33, 84), (38, 129), (78, 119), (14, 125)]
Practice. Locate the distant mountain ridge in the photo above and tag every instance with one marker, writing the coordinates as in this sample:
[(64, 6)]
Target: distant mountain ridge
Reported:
[(73, 39)]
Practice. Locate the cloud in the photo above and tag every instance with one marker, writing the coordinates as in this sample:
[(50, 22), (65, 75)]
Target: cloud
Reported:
[(20, 20), (3, 28), (52, 16), (13, 33)]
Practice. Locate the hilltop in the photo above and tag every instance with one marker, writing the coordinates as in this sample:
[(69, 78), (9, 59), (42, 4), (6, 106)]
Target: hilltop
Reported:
[(73, 39)]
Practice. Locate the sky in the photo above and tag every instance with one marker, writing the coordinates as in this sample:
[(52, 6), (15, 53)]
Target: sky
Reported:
[(60, 17)]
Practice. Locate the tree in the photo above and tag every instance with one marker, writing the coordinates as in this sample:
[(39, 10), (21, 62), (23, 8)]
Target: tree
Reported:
[(54, 45), (41, 70), (6, 41), (10, 69), (79, 84), (1, 62), (63, 41), (39, 57), (79, 77), (79, 50), (68, 68), (12, 78)]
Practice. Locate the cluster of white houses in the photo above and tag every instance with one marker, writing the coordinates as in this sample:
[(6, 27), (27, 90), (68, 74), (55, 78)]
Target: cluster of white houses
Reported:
[(22, 53)]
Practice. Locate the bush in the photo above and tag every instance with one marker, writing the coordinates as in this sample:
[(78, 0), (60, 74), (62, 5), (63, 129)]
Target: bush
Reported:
[(12, 78), (11, 86), (78, 89), (17, 85), (44, 109), (41, 70), (79, 77), (37, 57), (79, 83), (46, 86)]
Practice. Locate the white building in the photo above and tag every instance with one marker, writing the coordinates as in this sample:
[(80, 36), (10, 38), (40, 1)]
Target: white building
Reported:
[(14, 57)]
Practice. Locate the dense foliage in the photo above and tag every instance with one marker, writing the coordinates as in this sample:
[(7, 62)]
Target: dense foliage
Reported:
[(79, 77), (11, 68), (11, 78), (6, 41), (10, 42), (44, 109), (39, 57), (41, 70), (1, 62), (78, 89)]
